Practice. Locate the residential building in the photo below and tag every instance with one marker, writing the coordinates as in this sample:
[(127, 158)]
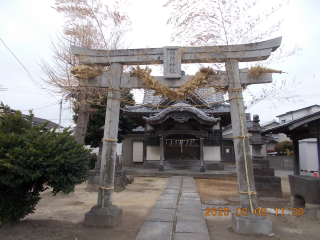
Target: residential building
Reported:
[(288, 116), (272, 139)]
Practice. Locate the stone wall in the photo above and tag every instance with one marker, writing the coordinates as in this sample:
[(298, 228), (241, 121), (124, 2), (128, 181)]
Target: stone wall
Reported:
[(281, 162)]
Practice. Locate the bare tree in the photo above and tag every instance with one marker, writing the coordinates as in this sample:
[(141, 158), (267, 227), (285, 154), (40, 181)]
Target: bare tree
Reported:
[(230, 22), (89, 24)]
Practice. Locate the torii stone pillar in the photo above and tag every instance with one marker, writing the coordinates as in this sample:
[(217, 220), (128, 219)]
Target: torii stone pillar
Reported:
[(251, 223), (104, 213)]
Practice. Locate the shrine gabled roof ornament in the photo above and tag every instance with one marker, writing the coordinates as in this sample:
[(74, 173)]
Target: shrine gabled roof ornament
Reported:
[(177, 112)]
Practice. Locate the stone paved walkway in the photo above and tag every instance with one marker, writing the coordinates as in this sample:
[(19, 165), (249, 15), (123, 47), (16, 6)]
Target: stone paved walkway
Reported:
[(177, 214)]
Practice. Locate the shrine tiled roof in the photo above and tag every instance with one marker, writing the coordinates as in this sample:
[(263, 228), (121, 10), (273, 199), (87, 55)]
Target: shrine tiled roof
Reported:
[(202, 97)]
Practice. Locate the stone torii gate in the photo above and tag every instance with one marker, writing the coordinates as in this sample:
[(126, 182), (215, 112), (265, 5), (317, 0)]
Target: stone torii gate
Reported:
[(106, 214)]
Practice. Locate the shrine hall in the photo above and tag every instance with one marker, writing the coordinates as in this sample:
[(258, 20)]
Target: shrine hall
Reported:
[(186, 137)]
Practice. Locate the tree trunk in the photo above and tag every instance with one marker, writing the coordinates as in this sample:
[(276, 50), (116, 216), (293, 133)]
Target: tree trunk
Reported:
[(83, 118)]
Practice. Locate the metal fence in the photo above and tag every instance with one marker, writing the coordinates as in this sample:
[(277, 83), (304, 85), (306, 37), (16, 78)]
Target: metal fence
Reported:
[(281, 162)]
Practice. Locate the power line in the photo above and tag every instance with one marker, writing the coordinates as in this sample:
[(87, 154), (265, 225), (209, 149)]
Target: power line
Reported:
[(41, 107), (18, 60), (37, 93), (22, 64)]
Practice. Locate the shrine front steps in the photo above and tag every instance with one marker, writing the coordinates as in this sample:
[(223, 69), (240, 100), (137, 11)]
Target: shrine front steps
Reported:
[(177, 213), (182, 164)]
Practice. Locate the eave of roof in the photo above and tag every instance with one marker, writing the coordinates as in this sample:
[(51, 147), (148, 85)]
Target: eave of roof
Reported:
[(292, 124), (293, 111), (39, 121)]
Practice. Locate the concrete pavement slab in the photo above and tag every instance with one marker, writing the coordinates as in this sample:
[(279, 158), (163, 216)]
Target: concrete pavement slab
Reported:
[(191, 236), (187, 227), (161, 215), (155, 231), (165, 205), (168, 197)]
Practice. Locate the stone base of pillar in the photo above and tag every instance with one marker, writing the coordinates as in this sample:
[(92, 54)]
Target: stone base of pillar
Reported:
[(161, 168), (251, 224), (103, 217), (202, 169)]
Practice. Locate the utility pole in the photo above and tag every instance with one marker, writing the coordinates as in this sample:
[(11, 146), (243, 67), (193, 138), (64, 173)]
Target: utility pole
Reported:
[(60, 114)]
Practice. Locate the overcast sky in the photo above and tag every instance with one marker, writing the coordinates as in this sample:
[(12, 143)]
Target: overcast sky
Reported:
[(26, 27)]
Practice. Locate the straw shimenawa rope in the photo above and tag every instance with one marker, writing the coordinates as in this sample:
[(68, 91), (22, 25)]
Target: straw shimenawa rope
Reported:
[(104, 188), (85, 72), (109, 140), (199, 80), (258, 71)]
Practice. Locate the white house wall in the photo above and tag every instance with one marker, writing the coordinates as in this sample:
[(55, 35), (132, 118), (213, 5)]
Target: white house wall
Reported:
[(119, 148), (153, 153), (127, 148), (282, 137), (137, 151), (227, 133), (298, 114), (211, 153), (149, 127), (217, 126), (230, 135)]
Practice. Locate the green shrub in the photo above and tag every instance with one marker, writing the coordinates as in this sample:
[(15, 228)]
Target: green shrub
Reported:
[(284, 148), (31, 156), (92, 161)]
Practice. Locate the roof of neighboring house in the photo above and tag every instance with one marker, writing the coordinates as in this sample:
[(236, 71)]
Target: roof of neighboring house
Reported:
[(272, 141), (316, 105), (39, 121), (268, 123), (36, 121), (292, 124), (249, 125)]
